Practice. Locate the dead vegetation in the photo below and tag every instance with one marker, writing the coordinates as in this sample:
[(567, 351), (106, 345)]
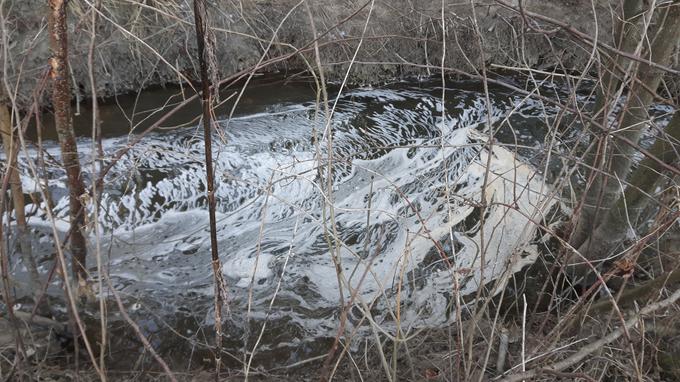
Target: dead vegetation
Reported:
[(599, 304)]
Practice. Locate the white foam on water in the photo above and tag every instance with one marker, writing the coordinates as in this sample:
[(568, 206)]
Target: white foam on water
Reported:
[(273, 209), (244, 269)]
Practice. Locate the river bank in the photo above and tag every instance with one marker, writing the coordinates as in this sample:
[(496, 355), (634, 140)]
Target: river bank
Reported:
[(139, 45)]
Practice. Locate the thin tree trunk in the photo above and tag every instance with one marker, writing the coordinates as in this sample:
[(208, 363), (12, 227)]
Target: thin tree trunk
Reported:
[(199, 19), (61, 101), (606, 188), (10, 147)]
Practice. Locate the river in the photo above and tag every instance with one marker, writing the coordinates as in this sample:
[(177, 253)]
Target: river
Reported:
[(401, 218)]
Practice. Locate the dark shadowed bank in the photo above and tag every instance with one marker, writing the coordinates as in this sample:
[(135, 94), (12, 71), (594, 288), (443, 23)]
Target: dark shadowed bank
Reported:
[(145, 43)]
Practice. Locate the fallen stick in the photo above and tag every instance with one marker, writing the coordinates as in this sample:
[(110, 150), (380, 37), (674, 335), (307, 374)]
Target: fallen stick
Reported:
[(593, 347)]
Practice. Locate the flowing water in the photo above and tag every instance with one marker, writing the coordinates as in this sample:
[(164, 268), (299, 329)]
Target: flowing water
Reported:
[(400, 221)]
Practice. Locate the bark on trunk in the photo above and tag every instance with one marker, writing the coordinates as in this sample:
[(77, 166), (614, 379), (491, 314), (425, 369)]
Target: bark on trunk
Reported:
[(627, 35), (626, 212), (199, 19), (61, 101), (606, 188), (10, 147)]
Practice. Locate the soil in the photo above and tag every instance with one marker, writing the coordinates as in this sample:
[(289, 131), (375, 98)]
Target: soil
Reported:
[(138, 46)]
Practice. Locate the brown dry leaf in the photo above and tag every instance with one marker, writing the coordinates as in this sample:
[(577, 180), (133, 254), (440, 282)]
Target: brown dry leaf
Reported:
[(431, 373)]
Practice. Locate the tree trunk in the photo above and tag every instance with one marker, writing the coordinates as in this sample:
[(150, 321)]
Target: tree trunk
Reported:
[(606, 189), (206, 100), (626, 212), (61, 101), (10, 148), (627, 36)]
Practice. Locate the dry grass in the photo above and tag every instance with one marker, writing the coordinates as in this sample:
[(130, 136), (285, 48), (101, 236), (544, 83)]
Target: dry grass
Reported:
[(543, 326)]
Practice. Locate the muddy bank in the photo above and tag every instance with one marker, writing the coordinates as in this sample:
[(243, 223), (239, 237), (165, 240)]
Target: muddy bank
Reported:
[(139, 44)]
